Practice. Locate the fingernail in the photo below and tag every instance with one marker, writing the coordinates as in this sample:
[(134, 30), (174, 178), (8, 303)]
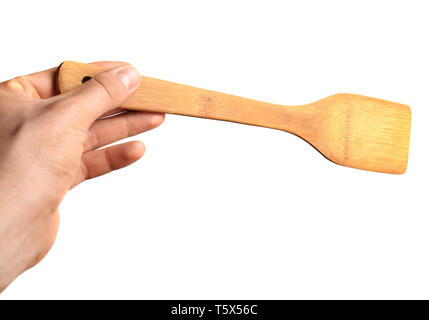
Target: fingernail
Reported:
[(129, 76)]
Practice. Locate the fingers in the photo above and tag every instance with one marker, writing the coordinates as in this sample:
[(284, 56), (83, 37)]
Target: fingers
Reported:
[(104, 92), (42, 85), (44, 82), (109, 64), (106, 131), (99, 162), (39, 85)]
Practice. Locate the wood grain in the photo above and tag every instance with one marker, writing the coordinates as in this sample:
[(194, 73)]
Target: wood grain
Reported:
[(348, 129)]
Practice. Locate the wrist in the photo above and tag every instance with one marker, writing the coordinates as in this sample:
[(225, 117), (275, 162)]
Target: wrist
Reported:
[(19, 249)]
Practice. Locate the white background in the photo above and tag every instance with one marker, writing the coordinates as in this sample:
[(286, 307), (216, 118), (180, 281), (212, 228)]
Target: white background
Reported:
[(222, 210)]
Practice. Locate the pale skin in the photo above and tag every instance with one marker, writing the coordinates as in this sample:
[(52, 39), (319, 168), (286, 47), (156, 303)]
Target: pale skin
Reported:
[(50, 143)]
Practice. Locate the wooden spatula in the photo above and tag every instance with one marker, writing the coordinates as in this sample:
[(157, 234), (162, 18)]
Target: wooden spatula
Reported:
[(351, 130)]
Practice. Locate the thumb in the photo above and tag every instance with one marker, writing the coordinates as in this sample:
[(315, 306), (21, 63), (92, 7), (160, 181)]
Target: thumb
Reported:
[(104, 92)]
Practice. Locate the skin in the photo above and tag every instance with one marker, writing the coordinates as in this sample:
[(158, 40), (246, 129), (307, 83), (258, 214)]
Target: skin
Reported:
[(50, 143)]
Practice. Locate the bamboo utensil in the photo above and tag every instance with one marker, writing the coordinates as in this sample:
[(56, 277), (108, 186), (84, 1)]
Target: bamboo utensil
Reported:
[(348, 129)]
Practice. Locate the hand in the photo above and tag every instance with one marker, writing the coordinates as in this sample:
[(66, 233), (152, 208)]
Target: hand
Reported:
[(49, 143)]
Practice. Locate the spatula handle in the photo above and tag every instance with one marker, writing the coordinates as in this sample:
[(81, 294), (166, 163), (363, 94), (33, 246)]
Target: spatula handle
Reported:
[(169, 97)]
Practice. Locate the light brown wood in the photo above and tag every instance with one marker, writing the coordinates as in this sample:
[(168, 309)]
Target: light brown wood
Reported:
[(350, 130)]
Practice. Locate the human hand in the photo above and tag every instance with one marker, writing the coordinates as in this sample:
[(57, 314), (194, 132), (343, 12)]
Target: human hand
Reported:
[(49, 143)]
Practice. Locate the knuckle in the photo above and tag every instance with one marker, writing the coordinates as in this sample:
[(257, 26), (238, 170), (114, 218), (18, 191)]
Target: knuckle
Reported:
[(22, 84), (16, 83), (92, 139), (111, 85)]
